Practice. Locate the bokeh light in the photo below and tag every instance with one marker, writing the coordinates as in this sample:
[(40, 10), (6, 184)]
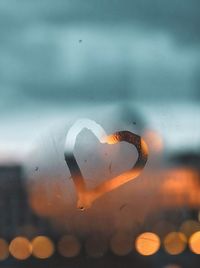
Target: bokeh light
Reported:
[(174, 193), (175, 243), (69, 246), (189, 227), (121, 243), (20, 248), (194, 243), (154, 141), (4, 250), (147, 244), (43, 247), (96, 246)]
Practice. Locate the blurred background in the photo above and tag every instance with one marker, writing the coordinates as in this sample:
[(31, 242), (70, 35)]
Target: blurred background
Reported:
[(131, 64)]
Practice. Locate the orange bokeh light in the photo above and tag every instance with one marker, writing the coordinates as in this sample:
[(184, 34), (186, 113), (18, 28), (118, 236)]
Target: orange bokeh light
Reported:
[(96, 246), (189, 227), (43, 247), (180, 187), (4, 250), (147, 244), (175, 243), (121, 243), (154, 141), (194, 243), (69, 246), (20, 248)]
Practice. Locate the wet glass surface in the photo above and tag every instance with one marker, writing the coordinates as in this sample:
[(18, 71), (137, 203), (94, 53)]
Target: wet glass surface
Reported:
[(131, 67)]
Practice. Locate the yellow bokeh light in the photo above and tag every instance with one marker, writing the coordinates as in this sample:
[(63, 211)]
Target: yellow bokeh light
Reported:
[(194, 243), (69, 246), (121, 243), (43, 247), (4, 251), (147, 244), (20, 248), (175, 243)]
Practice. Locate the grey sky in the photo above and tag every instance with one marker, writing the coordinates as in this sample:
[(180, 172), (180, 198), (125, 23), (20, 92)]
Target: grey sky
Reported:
[(56, 54)]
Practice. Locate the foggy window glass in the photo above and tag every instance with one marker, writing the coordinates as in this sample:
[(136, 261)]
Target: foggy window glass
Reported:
[(100, 133)]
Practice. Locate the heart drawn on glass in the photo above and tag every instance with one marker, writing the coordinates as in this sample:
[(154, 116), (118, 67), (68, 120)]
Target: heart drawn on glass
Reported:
[(86, 197)]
